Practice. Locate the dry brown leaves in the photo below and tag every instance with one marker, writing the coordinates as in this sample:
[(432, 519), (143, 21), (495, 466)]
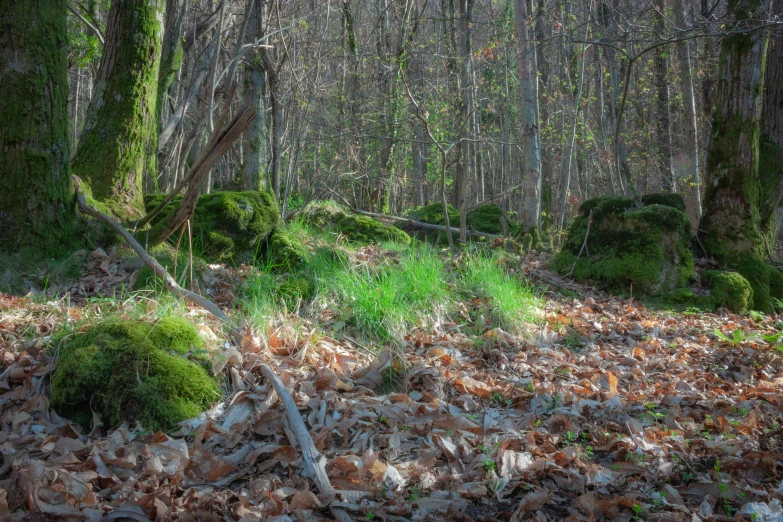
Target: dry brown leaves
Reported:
[(612, 412)]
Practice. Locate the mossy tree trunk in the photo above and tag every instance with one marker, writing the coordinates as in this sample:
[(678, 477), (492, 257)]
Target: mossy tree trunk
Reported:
[(37, 207), (730, 227), (256, 150), (119, 141)]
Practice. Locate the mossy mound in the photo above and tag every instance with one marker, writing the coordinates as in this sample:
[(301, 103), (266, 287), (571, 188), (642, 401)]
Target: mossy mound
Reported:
[(489, 219), (729, 289), (285, 251), (323, 214), (367, 230), (432, 214), (135, 371), (227, 226), (629, 244), (765, 280)]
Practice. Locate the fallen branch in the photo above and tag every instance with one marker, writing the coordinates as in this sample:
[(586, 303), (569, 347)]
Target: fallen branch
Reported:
[(421, 224), (151, 262), (314, 462)]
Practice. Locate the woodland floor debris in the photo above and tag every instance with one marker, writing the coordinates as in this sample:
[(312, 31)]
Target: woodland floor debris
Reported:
[(604, 411)]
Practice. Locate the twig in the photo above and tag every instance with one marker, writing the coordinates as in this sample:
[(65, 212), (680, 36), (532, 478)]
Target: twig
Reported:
[(584, 243)]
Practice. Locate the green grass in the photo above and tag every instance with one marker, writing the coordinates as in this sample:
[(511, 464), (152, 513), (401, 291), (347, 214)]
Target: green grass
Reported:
[(511, 303), (398, 291)]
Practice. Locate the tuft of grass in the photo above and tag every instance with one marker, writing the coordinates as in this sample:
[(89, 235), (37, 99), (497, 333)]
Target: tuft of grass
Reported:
[(386, 301), (511, 303)]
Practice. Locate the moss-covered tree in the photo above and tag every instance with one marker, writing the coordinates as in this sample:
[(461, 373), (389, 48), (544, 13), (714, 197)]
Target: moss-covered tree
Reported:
[(771, 146), (119, 141), (37, 211), (730, 228)]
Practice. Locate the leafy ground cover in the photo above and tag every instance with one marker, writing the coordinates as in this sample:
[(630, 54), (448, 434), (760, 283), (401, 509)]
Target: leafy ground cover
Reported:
[(475, 391)]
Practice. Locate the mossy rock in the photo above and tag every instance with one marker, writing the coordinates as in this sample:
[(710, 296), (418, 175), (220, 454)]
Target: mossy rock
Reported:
[(323, 214), (729, 289), (295, 288), (432, 214), (134, 371), (646, 247), (489, 219), (764, 278), (285, 251), (227, 226), (367, 230)]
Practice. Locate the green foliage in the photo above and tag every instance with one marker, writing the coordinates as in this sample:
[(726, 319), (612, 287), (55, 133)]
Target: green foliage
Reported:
[(629, 243), (151, 373), (729, 289)]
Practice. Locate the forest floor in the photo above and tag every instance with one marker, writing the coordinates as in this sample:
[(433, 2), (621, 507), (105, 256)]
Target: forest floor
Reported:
[(576, 408)]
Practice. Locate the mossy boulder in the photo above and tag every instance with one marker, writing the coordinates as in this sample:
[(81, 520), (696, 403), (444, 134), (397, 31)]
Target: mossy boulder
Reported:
[(367, 230), (285, 251), (489, 219), (323, 214), (729, 289), (227, 226), (135, 371), (630, 244), (432, 214)]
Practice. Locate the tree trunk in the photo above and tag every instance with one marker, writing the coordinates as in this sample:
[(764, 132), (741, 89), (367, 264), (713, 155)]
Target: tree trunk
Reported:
[(771, 148), (531, 154), (120, 138), (689, 100), (663, 120), (730, 227), (255, 92), (37, 211)]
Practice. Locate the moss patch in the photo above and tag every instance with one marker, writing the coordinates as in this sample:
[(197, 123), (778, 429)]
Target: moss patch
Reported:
[(765, 279), (368, 230), (729, 289), (489, 219), (630, 244), (295, 288), (151, 373), (227, 226), (285, 251)]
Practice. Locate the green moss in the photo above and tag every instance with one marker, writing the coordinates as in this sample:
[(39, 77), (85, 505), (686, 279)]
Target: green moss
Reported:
[(226, 226), (323, 214), (433, 214), (765, 279), (285, 251), (730, 290), (666, 199), (368, 230), (151, 373), (631, 246), (295, 288), (489, 219)]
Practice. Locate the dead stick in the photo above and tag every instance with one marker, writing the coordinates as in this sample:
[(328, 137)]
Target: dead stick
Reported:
[(151, 262)]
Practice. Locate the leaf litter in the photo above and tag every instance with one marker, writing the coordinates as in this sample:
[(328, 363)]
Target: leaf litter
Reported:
[(604, 411)]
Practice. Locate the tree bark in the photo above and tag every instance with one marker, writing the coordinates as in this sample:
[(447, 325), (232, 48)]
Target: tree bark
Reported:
[(255, 93), (37, 208), (120, 138), (730, 226), (771, 147), (531, 154), (663, 119)]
